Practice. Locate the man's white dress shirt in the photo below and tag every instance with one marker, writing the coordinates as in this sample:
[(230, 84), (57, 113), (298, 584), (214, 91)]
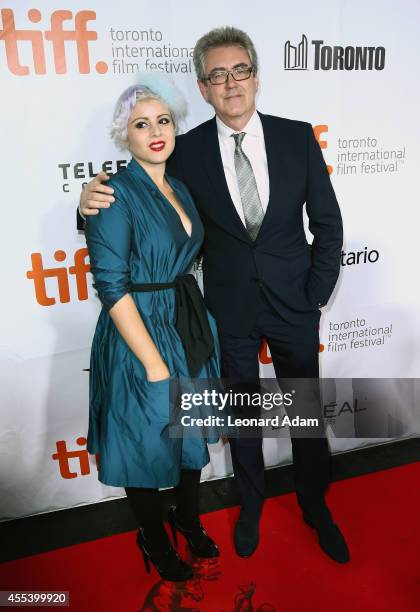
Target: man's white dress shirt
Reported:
[(253, 146)]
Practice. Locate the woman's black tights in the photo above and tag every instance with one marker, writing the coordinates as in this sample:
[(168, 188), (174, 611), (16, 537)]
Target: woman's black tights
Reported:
[(146, 505)]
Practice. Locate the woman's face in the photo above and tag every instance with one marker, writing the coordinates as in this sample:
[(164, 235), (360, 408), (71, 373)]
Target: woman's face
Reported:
[(151, 132)]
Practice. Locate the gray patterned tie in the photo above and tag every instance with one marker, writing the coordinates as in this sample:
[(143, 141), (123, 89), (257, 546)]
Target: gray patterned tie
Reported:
[(251, 203)]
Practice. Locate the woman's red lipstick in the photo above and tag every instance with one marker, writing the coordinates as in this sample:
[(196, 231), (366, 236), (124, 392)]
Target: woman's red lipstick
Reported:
[(157, 146)]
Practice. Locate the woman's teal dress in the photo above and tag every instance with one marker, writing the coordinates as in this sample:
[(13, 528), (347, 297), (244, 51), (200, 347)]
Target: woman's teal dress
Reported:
[(141, 239)]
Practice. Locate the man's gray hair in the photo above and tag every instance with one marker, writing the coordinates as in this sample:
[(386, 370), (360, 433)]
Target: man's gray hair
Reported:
[(222, 37), (149, 86)]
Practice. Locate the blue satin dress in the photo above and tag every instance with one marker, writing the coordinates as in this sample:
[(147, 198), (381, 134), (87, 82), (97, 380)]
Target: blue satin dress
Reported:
[(141, 239)]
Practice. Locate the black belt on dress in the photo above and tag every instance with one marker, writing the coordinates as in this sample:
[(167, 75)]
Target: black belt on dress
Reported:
[(191, 320)]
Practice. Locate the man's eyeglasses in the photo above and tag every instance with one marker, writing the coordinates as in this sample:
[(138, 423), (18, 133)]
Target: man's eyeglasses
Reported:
[(219, 77)]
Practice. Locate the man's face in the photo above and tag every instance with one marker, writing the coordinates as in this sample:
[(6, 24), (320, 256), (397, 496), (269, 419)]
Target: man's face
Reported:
[(234, 100)]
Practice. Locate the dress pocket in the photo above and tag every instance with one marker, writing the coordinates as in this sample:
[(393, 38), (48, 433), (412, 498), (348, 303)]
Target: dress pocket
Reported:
[(159, 382), (144, 413), (154, 399)]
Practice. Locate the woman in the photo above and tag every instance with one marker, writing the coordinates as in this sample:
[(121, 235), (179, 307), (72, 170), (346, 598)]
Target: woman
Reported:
[(140, 251)]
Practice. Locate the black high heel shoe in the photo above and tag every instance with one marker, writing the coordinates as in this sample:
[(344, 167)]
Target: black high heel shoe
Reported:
[(200, 544), (167, 563)]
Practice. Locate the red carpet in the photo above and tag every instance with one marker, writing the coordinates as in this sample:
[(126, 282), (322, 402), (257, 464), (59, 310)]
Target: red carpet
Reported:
[(379, 515)]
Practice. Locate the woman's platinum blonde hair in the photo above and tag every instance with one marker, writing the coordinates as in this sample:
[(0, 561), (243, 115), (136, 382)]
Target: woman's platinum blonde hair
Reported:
[(150, 85), (222, 37)]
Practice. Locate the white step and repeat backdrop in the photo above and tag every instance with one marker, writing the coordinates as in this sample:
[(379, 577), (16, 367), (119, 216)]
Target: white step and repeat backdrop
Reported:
[(351, 68)]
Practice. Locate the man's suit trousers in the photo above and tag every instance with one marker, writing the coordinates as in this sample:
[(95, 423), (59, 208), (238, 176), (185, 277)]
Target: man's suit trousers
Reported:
[(294, 350)]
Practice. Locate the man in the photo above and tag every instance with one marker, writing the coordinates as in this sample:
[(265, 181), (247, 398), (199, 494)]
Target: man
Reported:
[(250, 175)]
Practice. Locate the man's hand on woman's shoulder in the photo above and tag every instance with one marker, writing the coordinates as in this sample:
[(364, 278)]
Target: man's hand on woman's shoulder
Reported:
[(95, 195)]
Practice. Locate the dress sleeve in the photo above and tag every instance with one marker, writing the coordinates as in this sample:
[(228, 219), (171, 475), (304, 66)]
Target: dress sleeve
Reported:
[(108, 238)]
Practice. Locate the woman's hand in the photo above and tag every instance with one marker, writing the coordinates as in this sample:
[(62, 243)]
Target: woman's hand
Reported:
[(158, 372)]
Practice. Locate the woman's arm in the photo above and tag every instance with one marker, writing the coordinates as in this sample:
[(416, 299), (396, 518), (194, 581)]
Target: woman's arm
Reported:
[(131, 327), (108, 237)]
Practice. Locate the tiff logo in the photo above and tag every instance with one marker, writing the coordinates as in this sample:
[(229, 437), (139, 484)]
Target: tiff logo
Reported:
[(38, 274), (296, 58), (57, 36), (82, 456), (265, 355), (318, 131)]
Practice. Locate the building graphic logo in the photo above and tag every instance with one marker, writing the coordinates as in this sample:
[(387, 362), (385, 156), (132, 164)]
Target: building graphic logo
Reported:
[(333, 57), (296, 58)]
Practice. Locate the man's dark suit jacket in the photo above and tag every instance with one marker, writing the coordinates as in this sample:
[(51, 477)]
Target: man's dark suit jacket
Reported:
[(296, 277)]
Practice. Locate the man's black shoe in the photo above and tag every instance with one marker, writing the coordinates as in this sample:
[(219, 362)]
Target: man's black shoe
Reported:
[(331, 540), (246, 535)]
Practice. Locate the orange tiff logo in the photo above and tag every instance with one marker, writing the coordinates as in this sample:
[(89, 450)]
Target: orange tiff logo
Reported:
[(57, 36), (265, 356), (63, 456), (38, 274), (318, 131)]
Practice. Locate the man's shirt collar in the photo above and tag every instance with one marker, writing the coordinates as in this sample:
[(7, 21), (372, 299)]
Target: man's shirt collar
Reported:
[(253, 127)]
